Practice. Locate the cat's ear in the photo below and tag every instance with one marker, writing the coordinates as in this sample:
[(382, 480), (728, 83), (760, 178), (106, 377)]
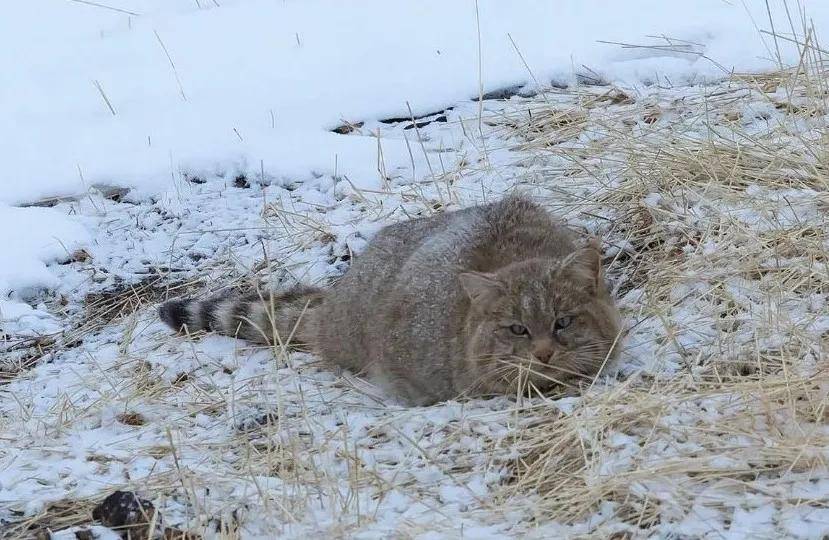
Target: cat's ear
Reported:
[(585, 265), (480, 287)]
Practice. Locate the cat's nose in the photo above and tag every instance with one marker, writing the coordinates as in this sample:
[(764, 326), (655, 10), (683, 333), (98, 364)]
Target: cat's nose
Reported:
[(544, 356), (543, 351)]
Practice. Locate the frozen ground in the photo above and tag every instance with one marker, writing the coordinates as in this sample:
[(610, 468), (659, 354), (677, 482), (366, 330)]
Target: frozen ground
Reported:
[(710, 198)]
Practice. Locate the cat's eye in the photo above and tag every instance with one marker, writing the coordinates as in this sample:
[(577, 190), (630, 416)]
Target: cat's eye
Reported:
[(563, 322), (519, 330)]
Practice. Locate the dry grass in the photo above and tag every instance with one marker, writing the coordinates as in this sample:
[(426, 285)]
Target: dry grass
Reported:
[(100, 308), (766, 435), (714, 211)]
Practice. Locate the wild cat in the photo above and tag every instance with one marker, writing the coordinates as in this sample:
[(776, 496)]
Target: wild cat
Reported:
[(472, 302)]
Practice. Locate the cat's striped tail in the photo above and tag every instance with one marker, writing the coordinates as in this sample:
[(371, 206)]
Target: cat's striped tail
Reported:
[(273, 317)]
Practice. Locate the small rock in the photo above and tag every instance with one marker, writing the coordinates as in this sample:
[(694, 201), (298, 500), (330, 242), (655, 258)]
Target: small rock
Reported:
[(347, 127), (129, 515), (258, 422), (241, 181), (180, 379), (80, 255), (113, 193), (131, 419)]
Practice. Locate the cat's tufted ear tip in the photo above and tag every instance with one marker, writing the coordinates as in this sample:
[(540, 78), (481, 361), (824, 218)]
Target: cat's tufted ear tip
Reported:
[(481, 287), (586, 263), (594, 242)]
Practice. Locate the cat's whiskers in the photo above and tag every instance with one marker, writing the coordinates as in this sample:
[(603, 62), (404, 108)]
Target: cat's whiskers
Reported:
[(568, 362), (510, 369), (526, 367)]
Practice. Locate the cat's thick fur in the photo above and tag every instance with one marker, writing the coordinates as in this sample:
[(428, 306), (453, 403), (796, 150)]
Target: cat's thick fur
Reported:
[(471, 302)]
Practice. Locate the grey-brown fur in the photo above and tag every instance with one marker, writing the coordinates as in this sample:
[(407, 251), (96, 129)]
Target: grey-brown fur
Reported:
[(431, 307)]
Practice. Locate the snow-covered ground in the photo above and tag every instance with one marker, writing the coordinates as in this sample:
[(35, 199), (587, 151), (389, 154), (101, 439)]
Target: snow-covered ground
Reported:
[(216, 118)]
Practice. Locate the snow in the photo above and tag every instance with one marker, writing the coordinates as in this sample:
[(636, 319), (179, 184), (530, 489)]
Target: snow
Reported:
[(31, 238), (253, 87), (255, 80), (98, 532)]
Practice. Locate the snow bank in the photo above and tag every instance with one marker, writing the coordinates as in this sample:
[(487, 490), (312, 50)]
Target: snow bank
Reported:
[(31, 237), (227, 87), (134, 93)]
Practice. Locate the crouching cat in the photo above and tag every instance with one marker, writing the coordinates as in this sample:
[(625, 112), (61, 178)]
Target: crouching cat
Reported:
[(473, 302)]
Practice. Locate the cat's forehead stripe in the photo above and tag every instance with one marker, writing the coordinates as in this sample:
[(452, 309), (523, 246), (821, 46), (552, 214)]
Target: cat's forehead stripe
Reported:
[(537, 299), (526, 302)]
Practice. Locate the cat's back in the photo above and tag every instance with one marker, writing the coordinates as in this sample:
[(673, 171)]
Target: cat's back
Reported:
[(421, 255), (361, 305), (517, 228), (513, 223), (399, 302)]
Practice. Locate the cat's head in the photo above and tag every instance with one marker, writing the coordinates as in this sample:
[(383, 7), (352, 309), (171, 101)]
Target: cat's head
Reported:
[(549, 321)]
